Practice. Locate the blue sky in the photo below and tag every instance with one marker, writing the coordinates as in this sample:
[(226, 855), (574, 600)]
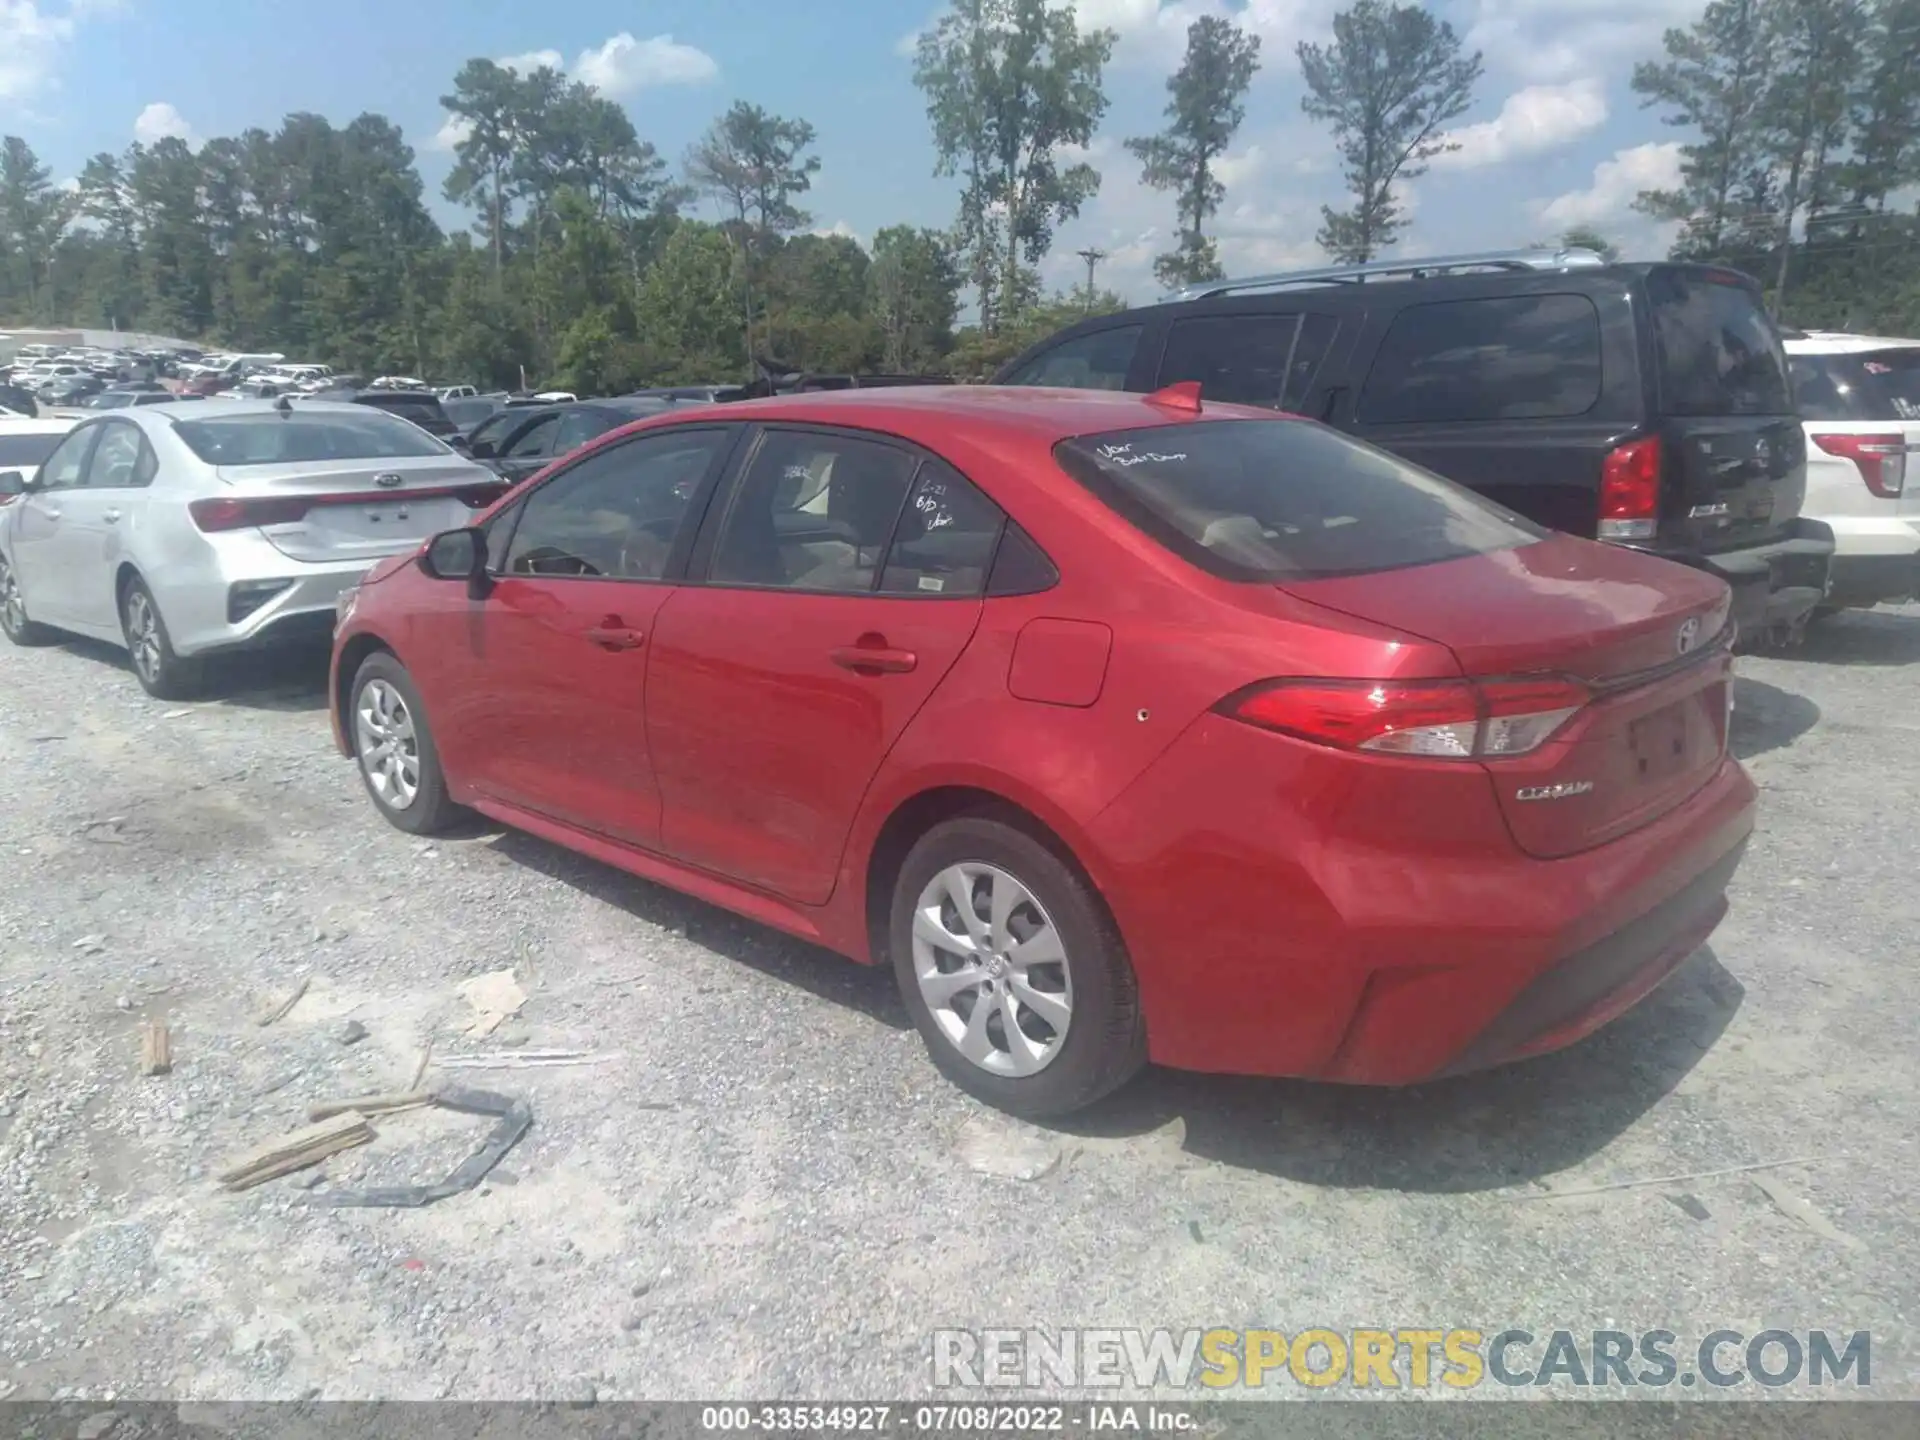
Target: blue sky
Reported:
[(1555, 138)]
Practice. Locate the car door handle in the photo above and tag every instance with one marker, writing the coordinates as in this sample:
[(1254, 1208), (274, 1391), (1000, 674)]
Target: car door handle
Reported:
[(112, 517), (52, 512), (876, 659), (615, 637)]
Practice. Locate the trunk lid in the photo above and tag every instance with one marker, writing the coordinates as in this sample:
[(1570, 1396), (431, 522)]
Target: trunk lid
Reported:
[(1647, 637), (1732, 482), (330, 510)]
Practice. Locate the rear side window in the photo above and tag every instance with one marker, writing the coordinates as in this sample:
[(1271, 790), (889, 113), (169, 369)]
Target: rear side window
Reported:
[(1249, 359), (1719, 353), (1098, 361), (368, 434), (813, 511), (1281, 499), (944, 542), (1519, 357)]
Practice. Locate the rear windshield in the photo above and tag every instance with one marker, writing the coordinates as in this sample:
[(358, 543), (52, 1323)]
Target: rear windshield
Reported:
[(286, 439), (1719, 353), (26, 452), (1874, 385), (422, 410), (1280, 499)]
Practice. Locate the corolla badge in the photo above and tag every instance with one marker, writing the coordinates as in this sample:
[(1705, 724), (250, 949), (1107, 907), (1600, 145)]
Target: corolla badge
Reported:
[(1687, 636), (1565, 790), (389, 481)]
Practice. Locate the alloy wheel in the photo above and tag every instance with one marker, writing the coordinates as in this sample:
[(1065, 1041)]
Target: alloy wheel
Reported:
[(992, 969), (13, 606), (388, 745), (143, 635)]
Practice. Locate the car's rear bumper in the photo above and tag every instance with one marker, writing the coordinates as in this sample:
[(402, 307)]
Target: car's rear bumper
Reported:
[(223, 601), (1779, 583), (1310, 914), (1876, 559)]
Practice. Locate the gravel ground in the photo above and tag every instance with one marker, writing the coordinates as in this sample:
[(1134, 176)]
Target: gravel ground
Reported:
[(770, 1192)]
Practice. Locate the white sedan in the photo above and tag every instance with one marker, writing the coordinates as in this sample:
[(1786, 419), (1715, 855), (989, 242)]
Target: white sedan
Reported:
[(180, 531)]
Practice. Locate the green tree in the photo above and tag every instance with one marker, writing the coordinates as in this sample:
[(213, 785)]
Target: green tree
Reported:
[(1586, 237), (914, 289), (1009, 83), (1209, 102), (753, 164), (1804, 118), (1714, 82), (1389, 84), (488, 100), (686, 309), (1885, 108), (33, 218)]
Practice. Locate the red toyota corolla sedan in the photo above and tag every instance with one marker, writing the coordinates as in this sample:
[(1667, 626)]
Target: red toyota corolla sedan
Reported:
[(1124, 727)]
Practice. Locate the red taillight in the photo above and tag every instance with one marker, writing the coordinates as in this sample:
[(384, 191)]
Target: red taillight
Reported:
[(1882, 459), (232, 513), (1630, 490), (228, 513), (1441, 719)]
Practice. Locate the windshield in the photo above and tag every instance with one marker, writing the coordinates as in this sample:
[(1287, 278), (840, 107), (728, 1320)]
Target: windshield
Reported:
[(1271, 500), (287, 439), (1719, 353)]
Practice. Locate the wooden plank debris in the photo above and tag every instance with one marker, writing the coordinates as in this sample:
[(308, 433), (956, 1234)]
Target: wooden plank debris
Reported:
[(296, 1151), (156, 1048), (279, 1008)]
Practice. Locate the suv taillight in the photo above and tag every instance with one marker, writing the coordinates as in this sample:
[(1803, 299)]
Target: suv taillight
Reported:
[(1882, 460), (1437, 720), (1630, 490)]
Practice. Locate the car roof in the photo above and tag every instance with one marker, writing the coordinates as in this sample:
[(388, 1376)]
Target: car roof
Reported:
[(1833, 342), (46, 425)]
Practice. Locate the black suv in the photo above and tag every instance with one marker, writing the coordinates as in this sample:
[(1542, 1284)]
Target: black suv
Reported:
[(1644, 404)]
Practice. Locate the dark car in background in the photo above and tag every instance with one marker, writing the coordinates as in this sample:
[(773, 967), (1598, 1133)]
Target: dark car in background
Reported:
[(19, 400), (1643, 404), (467, 411), (422, 407), (531, 438)]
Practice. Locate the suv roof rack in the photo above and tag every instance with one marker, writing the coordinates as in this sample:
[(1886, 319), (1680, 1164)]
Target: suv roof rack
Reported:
[(1569, 258)]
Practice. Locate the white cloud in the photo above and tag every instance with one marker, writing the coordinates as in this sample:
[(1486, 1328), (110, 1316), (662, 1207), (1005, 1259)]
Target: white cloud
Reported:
[(161, 121), (1147, 27), (1231, 170), (1531, 122), (625, 66), (452, 131), (1607, 203), (841, 228), (31, 35), (532, 60), (1546, 40)]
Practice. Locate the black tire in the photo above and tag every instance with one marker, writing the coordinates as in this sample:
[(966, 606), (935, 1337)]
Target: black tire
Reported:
[(162, 672), (428, 811), (13, 612), (1105, 1040)]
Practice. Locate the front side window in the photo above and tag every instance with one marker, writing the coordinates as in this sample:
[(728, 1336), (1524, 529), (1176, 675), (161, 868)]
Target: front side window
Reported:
[(1098, 361), (1270, 500), (1518, 357), (275, 439), (814, 511), (66, 467), (616, 514), (535, 441), (577, 429)]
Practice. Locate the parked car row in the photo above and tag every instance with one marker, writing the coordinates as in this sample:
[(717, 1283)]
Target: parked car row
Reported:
[(1124, 726)]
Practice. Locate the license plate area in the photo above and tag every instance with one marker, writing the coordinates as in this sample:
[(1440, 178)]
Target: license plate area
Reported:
[(1659, 743)]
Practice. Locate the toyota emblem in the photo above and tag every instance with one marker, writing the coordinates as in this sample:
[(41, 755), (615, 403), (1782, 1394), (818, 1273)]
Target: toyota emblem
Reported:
[(1688, 635), (389, 480)]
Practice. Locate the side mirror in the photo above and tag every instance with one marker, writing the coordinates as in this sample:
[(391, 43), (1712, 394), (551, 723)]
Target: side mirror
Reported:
[(458, 555), (480, 449), (13, 484)]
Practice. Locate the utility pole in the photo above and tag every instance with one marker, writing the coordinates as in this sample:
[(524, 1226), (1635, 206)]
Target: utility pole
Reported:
[(1093, 257)]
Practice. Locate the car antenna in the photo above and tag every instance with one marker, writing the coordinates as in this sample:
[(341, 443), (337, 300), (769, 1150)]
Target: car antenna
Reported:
[(1181, 395), (283, 405)]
